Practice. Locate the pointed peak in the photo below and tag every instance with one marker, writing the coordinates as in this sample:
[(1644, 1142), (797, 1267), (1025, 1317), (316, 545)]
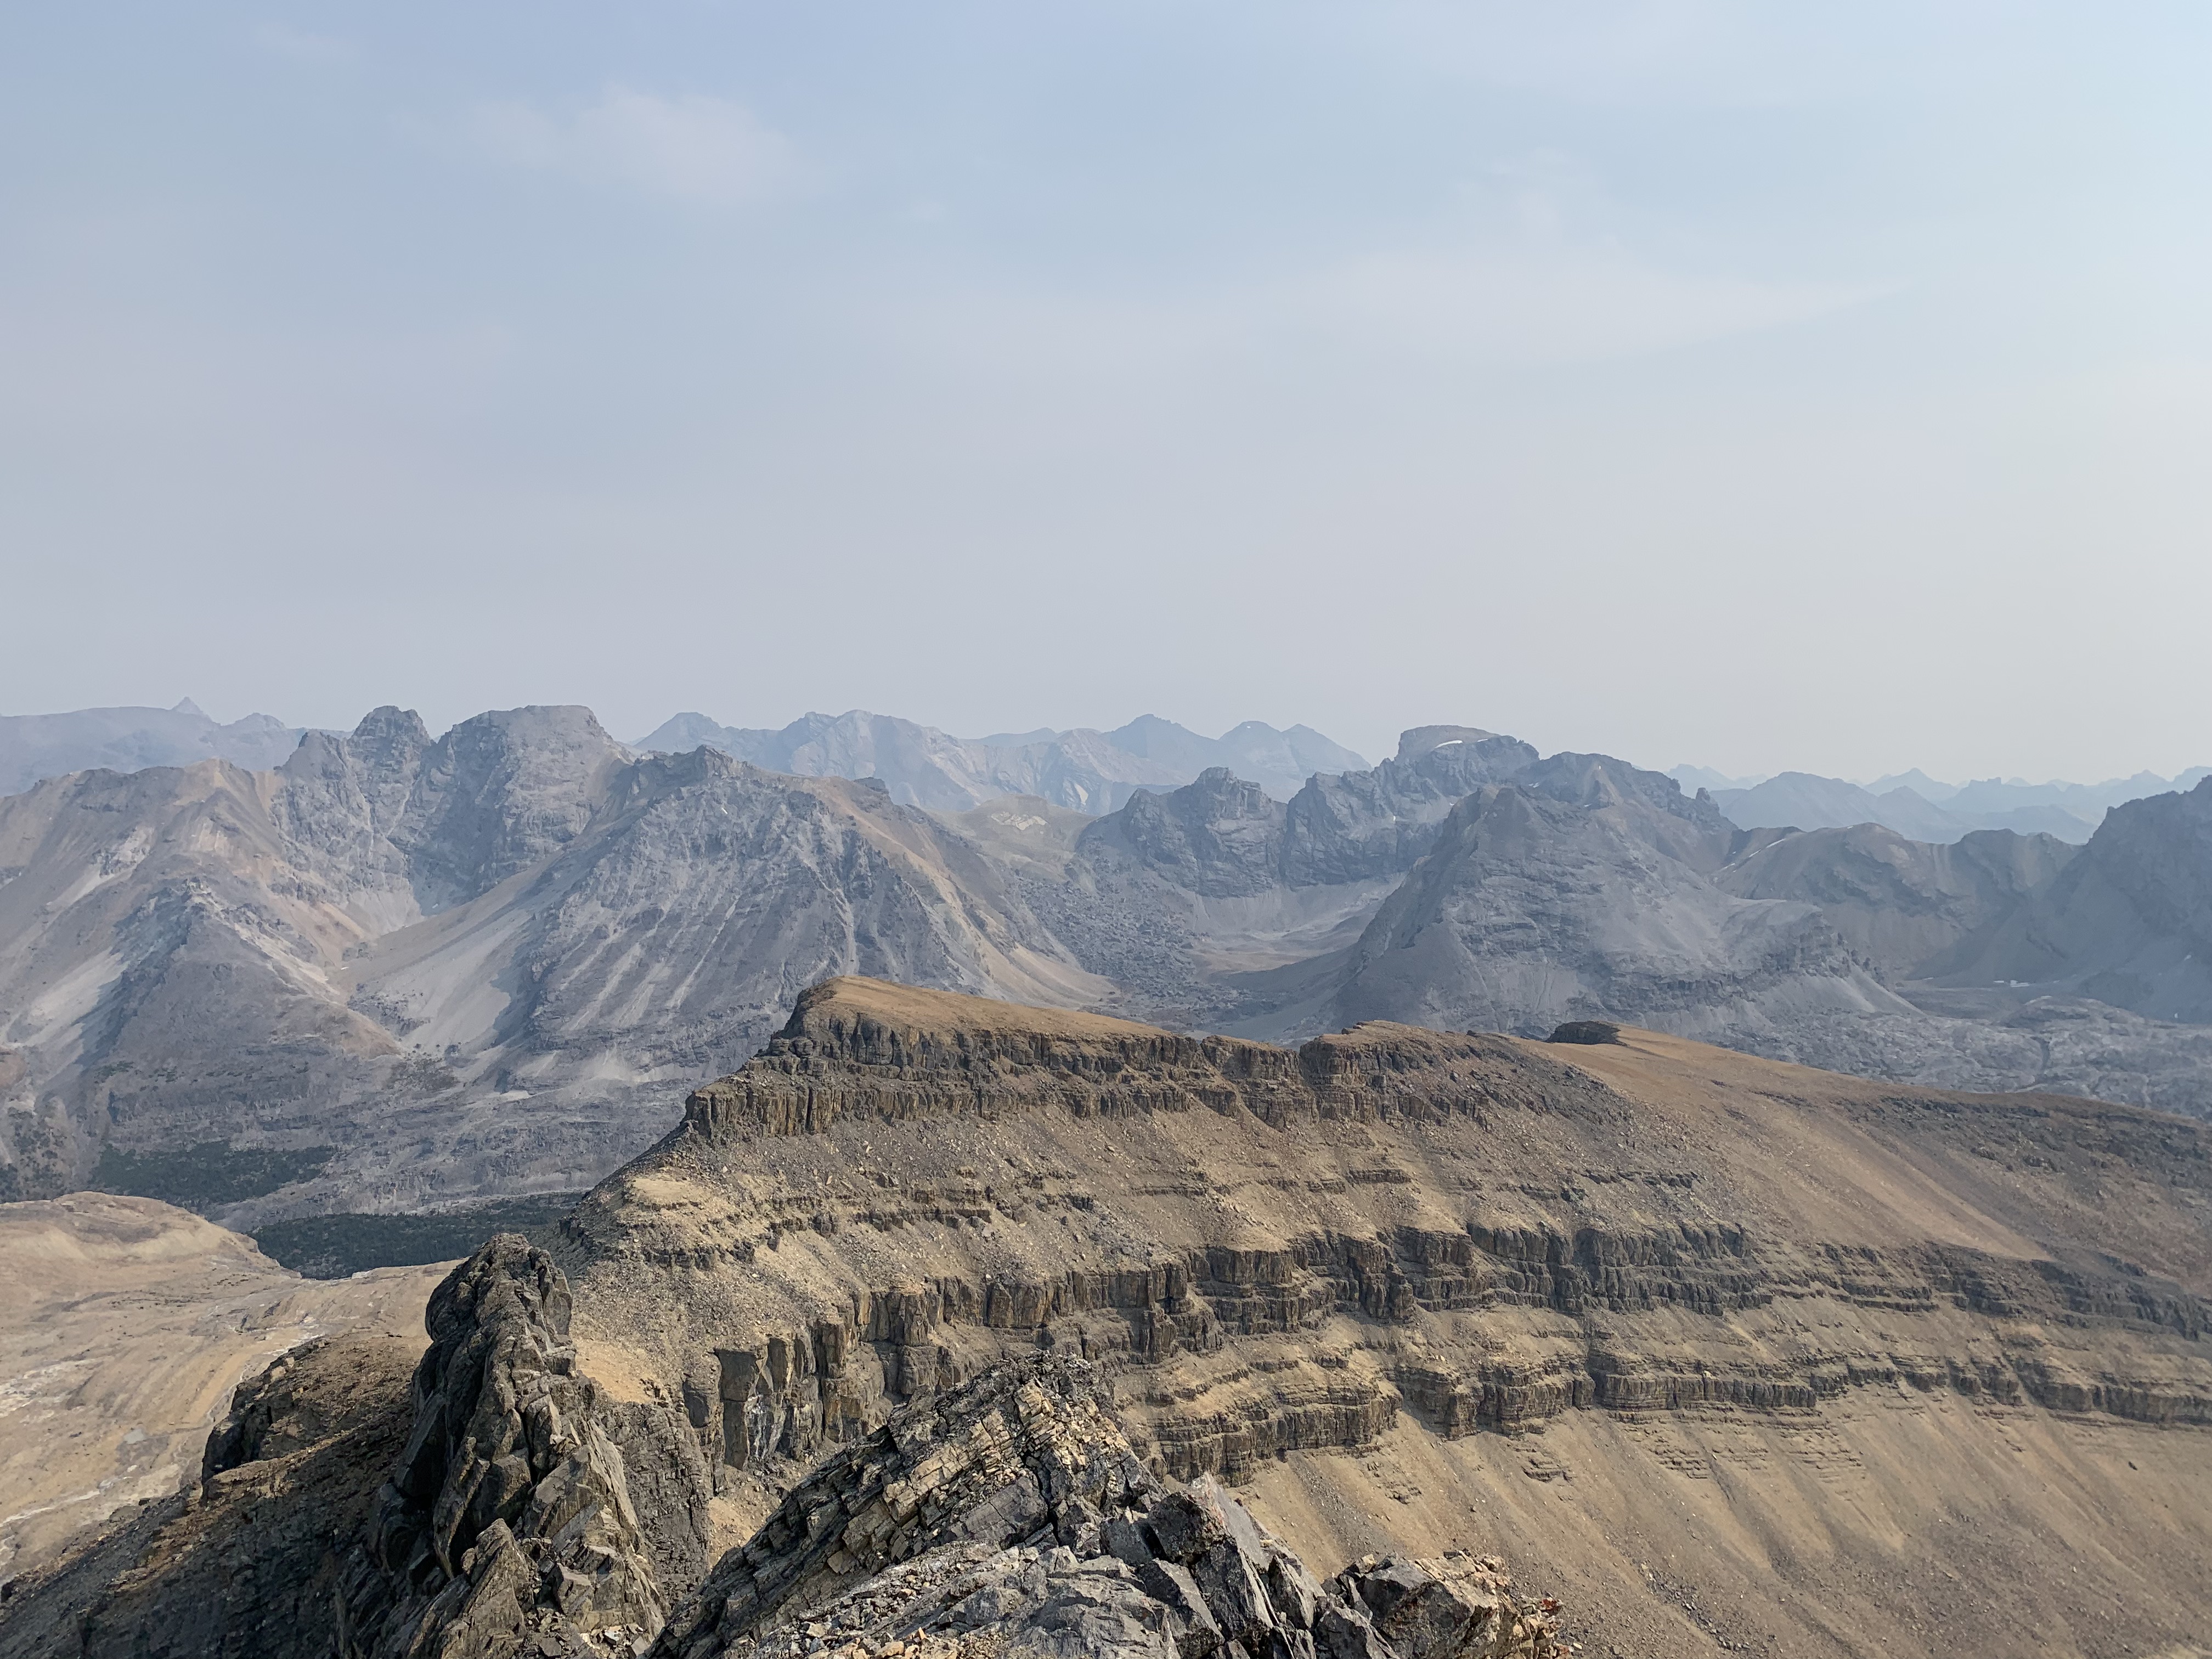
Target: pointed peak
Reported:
[(188, 706)]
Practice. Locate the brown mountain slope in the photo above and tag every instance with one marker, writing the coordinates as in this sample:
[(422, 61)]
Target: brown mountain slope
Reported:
[(124, 1324), (1841, 1365)]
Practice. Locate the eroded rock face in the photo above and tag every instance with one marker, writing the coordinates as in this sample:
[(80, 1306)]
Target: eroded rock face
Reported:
[(1533, 911), (177, 944), (891, 1054), (1907, 907), (1011, 1515), (1274, 1250), (2128, 921)]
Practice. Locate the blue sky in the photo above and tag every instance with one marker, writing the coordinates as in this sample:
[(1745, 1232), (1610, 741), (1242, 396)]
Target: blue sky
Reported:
[(1825, 387)]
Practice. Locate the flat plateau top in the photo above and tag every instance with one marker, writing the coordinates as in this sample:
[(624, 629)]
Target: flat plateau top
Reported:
[(910, 1007)]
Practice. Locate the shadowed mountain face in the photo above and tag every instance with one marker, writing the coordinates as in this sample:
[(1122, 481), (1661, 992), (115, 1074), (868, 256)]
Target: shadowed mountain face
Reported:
[(1911, 909), (402, 971), (2127, 922)]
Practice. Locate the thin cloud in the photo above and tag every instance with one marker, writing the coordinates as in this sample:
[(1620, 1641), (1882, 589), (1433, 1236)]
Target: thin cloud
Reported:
[(692, 148), (1554, 306), (283, 40), (1496, 305)]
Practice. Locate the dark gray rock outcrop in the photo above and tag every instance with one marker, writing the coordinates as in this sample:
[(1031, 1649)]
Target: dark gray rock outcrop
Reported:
[(509, 1517), (1012, 1516)]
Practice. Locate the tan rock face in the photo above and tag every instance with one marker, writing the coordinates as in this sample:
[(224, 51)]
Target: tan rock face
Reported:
[(1291, 1262), (861, 1049)]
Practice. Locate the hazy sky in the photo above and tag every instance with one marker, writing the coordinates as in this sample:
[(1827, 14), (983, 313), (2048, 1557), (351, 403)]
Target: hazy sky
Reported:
[(1761, 385)]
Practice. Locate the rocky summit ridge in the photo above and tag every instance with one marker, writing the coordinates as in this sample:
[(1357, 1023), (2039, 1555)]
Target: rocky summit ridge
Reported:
[(946, 1325), (526, 1513)]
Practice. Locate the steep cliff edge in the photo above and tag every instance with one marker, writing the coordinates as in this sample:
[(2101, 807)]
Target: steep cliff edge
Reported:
[(1358, 1276)]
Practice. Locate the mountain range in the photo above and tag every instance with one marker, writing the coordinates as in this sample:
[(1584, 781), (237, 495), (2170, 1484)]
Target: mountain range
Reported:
[(399, 972), (1088, 771), (1093, 771), (1917, 806)]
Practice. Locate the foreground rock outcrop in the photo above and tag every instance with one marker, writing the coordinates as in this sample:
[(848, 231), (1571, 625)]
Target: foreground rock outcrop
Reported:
[(509, 1514), (1012, 1515), (124, 1326), (494, 1501), (522, 1512)]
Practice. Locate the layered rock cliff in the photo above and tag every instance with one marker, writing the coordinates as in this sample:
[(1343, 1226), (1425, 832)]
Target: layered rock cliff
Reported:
[(1356, 1276)]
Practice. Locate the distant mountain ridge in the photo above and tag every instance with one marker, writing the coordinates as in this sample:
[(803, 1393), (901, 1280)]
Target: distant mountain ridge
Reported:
[(1090, 771), (1919, 806), (129, 739), (402, 971)]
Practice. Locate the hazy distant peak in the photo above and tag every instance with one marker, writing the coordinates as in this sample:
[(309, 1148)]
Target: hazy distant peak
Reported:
[(1693, 778), (1020, 739), (1927, 788), (535, 723), (1418, 740), (1092, 771), (130, 739)]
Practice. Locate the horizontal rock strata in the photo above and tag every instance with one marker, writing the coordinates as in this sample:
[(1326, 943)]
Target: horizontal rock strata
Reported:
[(1271, 1250), (919, 1055)]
